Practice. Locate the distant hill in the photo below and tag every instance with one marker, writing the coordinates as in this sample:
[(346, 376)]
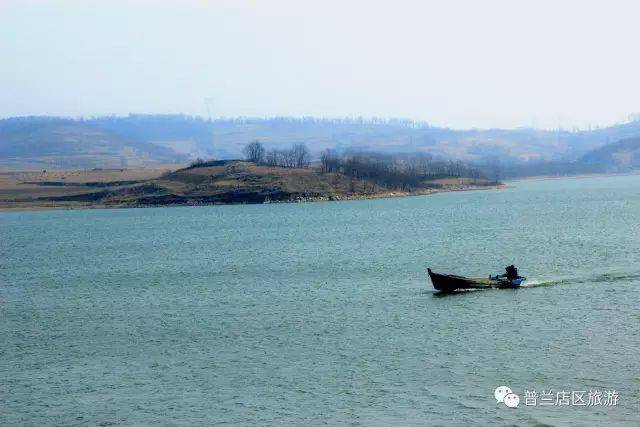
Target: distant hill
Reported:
[(137, 140), (60, 143), (616, 157), (619, 156)]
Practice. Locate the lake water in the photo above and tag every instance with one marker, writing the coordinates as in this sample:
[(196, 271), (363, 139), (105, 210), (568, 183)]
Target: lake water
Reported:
[(321, 313)]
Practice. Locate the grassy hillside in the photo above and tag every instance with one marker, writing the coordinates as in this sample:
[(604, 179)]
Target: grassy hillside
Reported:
[(616, 157), (54, 143)]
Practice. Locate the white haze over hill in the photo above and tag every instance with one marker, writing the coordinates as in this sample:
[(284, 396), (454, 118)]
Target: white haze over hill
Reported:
[(452, 63)]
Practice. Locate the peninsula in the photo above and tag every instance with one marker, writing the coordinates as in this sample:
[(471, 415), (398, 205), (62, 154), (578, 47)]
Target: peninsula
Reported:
[(215, 182)]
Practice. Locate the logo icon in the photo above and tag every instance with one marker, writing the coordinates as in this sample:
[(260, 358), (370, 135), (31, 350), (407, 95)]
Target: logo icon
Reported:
[(512, 400), (503, 394)]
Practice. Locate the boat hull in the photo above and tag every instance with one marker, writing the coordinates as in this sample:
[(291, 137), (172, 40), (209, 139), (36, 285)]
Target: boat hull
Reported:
[(451, 283)]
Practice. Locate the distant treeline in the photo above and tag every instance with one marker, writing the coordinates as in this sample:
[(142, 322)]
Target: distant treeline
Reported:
[(172, 121), (396, 171), (297, 156), (393, 171), (364, 121)]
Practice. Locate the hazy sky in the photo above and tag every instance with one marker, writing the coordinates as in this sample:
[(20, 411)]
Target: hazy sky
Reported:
[(455, 63)]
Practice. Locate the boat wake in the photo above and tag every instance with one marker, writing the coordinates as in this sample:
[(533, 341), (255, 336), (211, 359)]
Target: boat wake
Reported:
[(538, 283), (598, 278), (617, 277)]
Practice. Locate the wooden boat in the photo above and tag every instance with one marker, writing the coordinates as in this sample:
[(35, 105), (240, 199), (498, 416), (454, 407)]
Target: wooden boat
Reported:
[(451, 282)]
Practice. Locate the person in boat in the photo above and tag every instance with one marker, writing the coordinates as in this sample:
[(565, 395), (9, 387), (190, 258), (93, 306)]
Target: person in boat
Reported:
[(511, 272)]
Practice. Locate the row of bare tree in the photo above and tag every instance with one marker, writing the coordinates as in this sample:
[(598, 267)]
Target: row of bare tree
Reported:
[(393, 171), (400, 171), (297, 156)]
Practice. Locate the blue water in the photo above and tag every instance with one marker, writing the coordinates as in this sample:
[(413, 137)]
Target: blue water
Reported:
[(321, 313)]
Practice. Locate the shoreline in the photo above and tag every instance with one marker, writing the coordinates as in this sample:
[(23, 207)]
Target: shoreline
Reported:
[(577, 176), (329, 198)]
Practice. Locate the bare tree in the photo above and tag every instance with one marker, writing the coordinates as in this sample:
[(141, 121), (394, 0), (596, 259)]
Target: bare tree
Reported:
[(496, 166), (198, 162), (300, 156), (329, 161), (254, 152), (272, 158), (475, 174), (288, 159)]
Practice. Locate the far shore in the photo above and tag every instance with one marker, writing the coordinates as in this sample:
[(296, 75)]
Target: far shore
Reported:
[(577, 176)]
